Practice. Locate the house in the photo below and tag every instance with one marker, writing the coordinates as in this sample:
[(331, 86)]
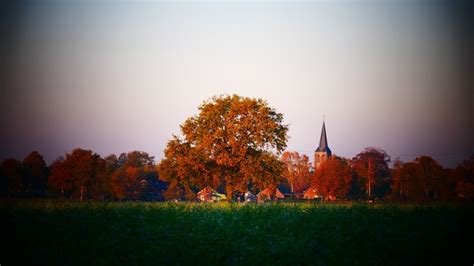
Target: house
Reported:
[(249, 197), (269, 194), (312, 193), (285, 191), (208, 194), (152, 189)]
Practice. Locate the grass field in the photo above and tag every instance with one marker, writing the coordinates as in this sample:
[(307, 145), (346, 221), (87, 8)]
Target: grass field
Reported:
[(71, 233)]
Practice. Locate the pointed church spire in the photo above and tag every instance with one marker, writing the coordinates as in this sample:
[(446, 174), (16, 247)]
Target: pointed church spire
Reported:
[(323, 141), (322, 153)]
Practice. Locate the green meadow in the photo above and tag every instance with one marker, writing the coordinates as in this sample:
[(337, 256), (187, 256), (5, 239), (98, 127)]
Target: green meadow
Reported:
[(129, 233)]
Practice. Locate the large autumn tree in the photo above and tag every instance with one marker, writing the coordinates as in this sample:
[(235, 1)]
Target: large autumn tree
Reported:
[(234, 141)]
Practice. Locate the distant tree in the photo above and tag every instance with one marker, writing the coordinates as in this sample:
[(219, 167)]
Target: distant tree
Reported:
[(180, 171), (448, 185), (232, 141), (60, 179), (137, 159), (333, 178), (431, 175), (125, 183), (371, 168), (3, 182), (151, 187), (422, 179), (406, 181), (35, 174), (98, 180), (464, 178), (81, 174), (87, 168), (398, 182), (11, 174), (111, 167), (111, 163), (133, 176), (297, 170)]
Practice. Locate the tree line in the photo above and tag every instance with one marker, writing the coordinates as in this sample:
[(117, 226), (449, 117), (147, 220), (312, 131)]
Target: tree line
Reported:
[(234, 144), (369, 176), (85, 175)]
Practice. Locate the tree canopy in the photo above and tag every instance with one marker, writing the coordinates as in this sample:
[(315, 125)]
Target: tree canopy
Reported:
[(372, 170), (464, 175), (233, 141), (333, 178), (297, 171), (35, 174), (78, 175)]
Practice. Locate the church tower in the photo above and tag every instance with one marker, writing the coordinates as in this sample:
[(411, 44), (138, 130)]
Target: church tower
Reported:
[(322, 152)]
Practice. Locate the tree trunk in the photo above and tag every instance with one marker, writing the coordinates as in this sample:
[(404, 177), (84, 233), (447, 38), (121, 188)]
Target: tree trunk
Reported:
[(370, 192), (82, 191), (369, 178), (228, 191)]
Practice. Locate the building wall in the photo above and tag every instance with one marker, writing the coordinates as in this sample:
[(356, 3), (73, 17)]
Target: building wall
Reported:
[(319, 157)]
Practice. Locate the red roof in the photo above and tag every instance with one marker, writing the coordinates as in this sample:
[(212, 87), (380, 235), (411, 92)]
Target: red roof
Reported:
[(206, 194), (311, 193), (270, 193), (206, 190)]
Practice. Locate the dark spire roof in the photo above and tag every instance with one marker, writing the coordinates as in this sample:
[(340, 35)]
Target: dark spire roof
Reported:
[(323, 141)]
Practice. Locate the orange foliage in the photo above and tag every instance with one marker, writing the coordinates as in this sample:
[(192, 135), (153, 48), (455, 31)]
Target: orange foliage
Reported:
[(231, 141), (333, 178), (297, 171)]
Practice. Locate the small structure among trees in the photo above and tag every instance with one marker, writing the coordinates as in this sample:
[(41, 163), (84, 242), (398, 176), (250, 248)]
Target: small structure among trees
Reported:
[(270, 194), (312, 193), (249, 197), (209, 194)]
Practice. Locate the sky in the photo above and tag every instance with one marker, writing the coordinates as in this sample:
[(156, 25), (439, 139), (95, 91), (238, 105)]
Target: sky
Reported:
[(117, 76)]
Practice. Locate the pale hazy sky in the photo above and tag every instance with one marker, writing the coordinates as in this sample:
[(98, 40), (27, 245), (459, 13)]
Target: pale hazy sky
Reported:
[(121, 76)]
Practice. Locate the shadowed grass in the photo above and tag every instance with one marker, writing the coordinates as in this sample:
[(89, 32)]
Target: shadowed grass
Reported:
[(72, 233)]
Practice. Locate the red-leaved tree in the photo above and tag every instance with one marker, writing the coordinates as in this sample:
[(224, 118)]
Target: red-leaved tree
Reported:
[(333, 178)]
